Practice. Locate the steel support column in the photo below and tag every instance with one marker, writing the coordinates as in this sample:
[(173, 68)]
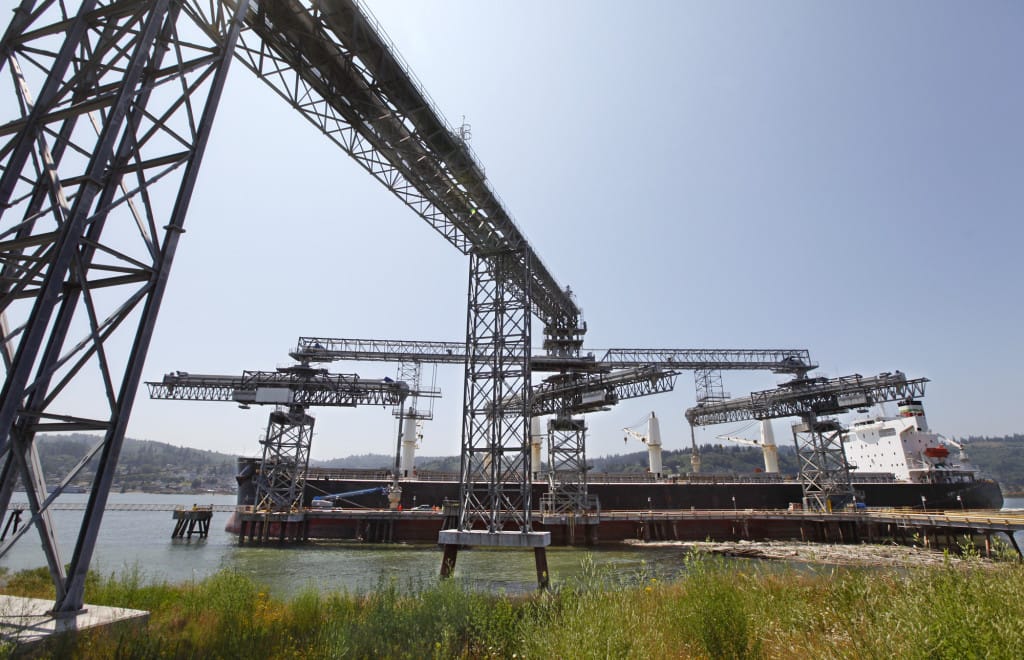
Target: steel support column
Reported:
[(282, 477), (824, 472), (101, 144), (495, 468), (567, 456), (709, 385)]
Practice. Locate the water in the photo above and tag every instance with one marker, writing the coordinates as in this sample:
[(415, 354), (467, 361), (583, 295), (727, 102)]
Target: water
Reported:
[(1013, 503), (131, 540)]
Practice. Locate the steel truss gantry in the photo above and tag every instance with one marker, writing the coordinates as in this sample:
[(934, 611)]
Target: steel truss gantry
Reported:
[(708, 364), (289, 435), (824, 472), (102, 133), (334, 65)]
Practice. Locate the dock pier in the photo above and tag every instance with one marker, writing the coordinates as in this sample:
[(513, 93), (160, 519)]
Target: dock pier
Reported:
[(192, 521), (938, 529)]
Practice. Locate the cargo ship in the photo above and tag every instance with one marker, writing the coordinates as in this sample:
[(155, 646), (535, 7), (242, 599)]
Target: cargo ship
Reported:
[(894, 462)]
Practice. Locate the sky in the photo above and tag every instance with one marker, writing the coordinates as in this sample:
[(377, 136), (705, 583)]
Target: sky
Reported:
[(842, 177)]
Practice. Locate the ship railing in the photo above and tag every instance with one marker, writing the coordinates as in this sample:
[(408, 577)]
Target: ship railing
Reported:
[(872, 477), (709, 478), (435, 475), (330, 474)]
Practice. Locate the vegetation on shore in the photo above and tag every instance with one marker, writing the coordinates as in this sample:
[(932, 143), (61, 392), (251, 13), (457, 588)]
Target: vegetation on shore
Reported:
[(714, 611)]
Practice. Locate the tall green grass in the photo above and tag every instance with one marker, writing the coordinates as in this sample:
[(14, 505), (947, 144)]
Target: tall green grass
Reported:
[(719, 609)]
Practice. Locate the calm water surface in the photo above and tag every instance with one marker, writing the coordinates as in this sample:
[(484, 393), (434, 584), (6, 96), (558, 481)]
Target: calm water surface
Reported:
[(131, 540)]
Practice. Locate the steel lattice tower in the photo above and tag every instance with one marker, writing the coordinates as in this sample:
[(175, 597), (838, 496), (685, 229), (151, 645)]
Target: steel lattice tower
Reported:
[(824, 471), (286, 445), (495, 470), (102, 139)]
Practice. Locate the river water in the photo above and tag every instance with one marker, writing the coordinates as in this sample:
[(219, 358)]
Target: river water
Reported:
[(140, 540)]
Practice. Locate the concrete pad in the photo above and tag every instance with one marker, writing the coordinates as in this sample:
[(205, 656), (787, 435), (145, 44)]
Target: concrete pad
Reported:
[(482, 538), (28, 621)]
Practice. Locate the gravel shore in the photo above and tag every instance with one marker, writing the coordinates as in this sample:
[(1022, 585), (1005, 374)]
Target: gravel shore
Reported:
[(865, 554)]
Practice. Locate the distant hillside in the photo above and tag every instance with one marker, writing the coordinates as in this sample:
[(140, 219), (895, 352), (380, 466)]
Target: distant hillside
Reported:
[(384, 462), (1000, 458), (720, 459), (143, 464), (715, 458)]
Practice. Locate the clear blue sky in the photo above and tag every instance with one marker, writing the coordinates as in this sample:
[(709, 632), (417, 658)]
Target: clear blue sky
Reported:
[(842, 177)]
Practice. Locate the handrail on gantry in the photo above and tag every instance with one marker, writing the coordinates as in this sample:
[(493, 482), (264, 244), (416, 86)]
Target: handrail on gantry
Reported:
[(778, 360), (334, 65)]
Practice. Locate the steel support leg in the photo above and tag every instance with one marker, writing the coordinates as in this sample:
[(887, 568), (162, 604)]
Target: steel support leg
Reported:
[(495, 474), (91, 150), (824, 472), (286, 445)]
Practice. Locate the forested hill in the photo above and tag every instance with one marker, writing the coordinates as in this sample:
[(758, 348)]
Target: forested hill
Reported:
[(143, 465), (1001, 458)]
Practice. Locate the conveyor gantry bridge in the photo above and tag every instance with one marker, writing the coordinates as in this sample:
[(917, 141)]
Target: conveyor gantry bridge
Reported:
[(287, 442), (824, 472)]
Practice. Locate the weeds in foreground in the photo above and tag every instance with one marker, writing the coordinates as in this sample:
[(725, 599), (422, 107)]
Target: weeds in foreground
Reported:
[(714, 611)]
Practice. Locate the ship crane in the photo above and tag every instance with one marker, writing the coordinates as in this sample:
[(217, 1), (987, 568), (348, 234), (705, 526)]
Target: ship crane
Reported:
[(957, 445), (653, 441), (288, 438), (824, 471), (766, 443)]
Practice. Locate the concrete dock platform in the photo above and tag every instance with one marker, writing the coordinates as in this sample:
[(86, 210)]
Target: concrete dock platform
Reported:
[(30, 625)]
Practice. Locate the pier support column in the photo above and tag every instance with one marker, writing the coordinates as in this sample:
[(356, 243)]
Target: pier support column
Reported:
[(451, 539), (451, 552), (540, 557), (1015, 546)]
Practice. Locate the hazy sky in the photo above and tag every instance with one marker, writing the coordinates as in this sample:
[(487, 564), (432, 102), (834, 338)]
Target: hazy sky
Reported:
[(842, 177)]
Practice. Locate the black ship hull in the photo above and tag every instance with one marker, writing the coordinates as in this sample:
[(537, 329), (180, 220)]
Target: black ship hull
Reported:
[(709, 492)]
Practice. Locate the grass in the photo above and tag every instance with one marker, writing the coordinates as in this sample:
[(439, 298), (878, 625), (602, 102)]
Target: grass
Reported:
[(715, 611)]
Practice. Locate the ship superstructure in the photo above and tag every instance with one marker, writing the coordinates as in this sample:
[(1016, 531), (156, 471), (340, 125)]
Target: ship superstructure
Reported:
[(904, 447)]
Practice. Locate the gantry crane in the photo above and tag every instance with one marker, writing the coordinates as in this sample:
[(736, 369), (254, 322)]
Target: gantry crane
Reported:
[(577, 375), (824, 472), (293, 390)]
